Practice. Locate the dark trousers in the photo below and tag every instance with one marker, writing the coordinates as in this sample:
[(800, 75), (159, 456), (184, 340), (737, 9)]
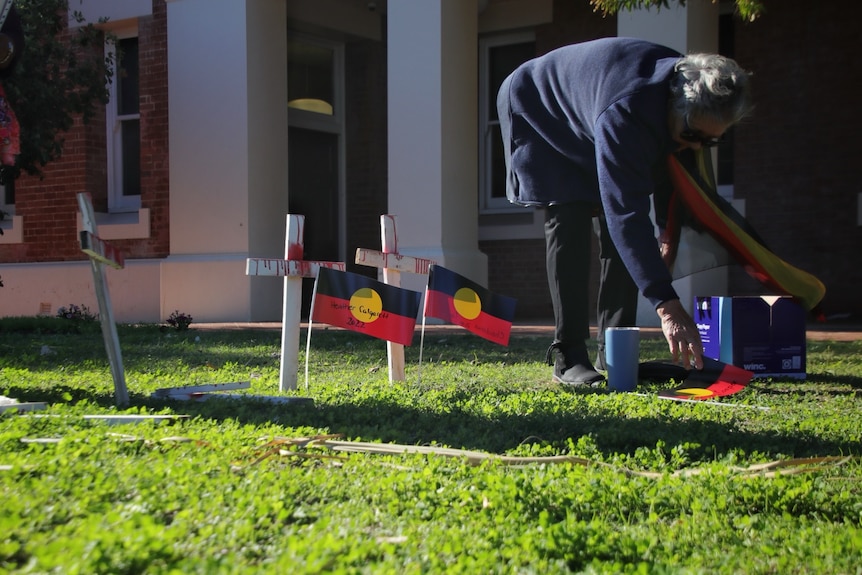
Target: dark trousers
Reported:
[(568, 229)]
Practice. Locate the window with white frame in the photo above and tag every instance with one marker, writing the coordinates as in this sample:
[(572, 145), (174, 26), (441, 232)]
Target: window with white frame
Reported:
[(124, 127), (498, 57), (315, 91)]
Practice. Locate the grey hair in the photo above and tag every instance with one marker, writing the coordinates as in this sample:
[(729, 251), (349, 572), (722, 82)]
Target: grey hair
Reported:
[(709, 85)]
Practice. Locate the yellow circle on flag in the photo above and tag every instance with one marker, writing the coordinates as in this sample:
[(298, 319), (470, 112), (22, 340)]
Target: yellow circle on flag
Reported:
[(467, 303), (695, 392), (366, 305)]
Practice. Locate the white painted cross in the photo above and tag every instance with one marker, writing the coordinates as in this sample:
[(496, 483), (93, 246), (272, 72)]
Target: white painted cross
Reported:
[(293, 268), (392, 264), (102, 253)]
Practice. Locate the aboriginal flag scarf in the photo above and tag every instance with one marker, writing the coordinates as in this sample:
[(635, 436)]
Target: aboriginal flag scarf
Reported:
[(717, 233)]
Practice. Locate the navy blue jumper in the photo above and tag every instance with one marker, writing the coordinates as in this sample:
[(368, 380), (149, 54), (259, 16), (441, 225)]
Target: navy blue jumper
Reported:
[(590, 123)]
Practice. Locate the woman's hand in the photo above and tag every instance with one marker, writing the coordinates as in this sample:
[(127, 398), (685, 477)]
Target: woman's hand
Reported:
[(681, 334)]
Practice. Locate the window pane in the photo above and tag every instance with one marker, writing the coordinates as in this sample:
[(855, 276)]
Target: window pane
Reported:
[(725, 159), (725, 149), (7, 196), (127, 77), (310, 77), (313, 184), (498, 164), (501, 61), (131, 134), (8, 191)]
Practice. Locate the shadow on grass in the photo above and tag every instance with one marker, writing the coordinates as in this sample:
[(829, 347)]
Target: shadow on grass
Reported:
[(60, 394), (143, 349), (382, 419), (814, 384), (392, 423), (828, 378)]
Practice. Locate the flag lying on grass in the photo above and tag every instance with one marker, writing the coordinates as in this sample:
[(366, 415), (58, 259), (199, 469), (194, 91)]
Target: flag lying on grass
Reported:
[(459, 301), (359, 303), (716, 379)]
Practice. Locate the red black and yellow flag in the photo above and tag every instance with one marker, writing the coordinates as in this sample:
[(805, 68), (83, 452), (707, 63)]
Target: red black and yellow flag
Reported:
[(359, 303), (459, 301), (716, 379), (694, 188)]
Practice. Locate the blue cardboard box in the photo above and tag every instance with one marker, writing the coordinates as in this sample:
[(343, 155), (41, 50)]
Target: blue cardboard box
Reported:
[(762, 334)]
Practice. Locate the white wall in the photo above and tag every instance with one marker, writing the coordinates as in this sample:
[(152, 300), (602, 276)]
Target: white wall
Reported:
[(208, 118), (227, 81), (433, 145), (42, 288), (266, 61), (693, 28)]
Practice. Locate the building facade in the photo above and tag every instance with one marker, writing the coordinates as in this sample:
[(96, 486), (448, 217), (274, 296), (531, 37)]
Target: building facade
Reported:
[(230, 114)]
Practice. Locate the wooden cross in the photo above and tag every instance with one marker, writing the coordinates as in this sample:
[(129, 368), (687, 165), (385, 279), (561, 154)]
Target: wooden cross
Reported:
[(102, 253), (392, 264), (292, 268)]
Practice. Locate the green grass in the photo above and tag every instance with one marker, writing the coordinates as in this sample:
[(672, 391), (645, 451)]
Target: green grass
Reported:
[(213, 493)]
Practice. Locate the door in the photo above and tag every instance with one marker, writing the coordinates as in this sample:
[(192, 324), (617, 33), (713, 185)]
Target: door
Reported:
[(315, 147), (313, 183)]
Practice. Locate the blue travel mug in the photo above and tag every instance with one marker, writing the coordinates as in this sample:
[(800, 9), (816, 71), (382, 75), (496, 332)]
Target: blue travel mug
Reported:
[(622, 354)]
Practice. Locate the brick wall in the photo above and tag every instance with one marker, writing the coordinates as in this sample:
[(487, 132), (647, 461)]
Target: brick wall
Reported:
[(155, 169), (797, 161), (516, 268), (49, 204)]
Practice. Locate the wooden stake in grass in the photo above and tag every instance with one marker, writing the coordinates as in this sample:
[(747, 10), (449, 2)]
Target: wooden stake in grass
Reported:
[(102, 253), (392, 263), (292, 268)]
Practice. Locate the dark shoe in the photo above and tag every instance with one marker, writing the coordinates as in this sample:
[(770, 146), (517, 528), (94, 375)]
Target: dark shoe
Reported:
[(573, 368)]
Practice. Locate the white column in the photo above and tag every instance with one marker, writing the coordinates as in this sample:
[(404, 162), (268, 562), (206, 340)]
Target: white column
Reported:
[(692, 28), (433, 140), (227, 92), (266, 64), (689, 28)]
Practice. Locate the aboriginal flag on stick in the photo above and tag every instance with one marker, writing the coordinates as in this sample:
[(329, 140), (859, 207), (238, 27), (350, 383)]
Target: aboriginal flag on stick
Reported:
[(459, 301), (359, 303)]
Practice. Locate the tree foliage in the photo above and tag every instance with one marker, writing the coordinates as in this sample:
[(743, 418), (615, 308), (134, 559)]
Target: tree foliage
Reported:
[(747, 9), (62, 75)]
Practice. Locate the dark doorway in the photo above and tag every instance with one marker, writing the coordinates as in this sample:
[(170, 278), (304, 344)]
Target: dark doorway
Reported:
[(313, 184)]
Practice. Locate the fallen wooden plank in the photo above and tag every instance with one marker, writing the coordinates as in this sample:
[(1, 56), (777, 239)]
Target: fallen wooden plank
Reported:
[(215, 390), (280, 399), (26, 406), (41, 440), (193, 391), (116, 418), (122, 419)]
